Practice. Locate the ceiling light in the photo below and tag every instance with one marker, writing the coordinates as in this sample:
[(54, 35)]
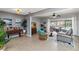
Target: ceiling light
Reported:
[(54, 15), (18, 11)]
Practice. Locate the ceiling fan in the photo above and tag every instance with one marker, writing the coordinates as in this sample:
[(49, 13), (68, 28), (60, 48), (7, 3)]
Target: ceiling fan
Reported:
[(55, 15)]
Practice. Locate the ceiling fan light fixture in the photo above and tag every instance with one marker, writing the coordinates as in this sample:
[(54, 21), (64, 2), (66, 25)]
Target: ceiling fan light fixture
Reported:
[(53, 14), (18, 11)]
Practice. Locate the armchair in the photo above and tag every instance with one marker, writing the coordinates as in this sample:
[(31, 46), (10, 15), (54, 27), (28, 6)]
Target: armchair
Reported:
[(42, 34)]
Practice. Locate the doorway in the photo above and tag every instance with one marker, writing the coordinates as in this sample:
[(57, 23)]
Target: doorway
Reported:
[(34, 28)]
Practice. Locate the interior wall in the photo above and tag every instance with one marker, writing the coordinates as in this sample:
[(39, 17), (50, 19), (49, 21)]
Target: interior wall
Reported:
[(75, 21), (74, 25), (15, 17), (44, 20), (11, 16), (28, 18), (77, 24), (37, 21)]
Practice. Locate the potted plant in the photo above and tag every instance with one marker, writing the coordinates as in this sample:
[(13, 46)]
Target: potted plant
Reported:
[(2, 34)]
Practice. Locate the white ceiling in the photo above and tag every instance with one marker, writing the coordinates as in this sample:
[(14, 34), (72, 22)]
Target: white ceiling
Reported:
[(65, 11), (44, 12), (25, 11)]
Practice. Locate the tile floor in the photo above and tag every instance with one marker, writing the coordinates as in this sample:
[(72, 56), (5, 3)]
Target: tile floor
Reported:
[(34, 44)]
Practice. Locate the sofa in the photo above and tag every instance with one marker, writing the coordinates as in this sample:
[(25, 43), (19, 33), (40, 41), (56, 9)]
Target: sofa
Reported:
[(66, 37)]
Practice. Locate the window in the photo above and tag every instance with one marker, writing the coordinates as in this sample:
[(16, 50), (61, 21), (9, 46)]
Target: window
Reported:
[(65, 24), (68, 23)]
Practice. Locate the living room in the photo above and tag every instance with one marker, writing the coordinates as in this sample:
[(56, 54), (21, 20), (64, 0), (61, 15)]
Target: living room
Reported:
[(19, 27)]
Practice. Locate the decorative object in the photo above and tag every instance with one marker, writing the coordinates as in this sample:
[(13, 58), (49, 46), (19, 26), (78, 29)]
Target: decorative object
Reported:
[(18, 23), (8, 22)]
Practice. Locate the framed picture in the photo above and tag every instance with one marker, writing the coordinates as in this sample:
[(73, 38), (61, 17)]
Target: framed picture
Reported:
[(8, 21)]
